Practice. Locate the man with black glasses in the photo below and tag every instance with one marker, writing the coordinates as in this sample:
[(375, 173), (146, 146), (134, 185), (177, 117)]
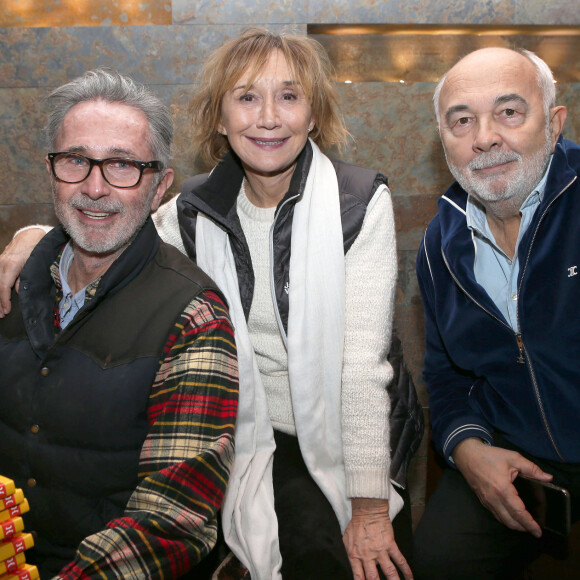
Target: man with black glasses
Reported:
[(118, 390)]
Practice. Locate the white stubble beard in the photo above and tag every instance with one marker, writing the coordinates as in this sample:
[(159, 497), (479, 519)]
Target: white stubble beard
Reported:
[(515, 188), (120, 236)]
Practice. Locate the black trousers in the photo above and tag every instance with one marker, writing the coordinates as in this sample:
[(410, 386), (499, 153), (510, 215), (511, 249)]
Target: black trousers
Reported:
[(458, 538), (309, 533)]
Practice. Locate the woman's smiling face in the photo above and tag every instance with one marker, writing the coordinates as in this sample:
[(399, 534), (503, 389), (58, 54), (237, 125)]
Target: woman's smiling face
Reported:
[(267, 123)]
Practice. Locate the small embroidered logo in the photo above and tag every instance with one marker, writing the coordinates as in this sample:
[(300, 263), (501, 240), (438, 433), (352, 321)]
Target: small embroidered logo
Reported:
[(287, 287), (572, 271)]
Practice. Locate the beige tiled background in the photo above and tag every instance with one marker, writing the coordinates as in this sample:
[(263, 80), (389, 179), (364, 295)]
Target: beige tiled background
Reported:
[(387, 106)]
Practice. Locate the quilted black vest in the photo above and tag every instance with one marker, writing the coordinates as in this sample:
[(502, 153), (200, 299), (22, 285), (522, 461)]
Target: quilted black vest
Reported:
[(73, 409)]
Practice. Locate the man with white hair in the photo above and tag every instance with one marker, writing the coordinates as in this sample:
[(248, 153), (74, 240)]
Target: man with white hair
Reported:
[(498, 274)]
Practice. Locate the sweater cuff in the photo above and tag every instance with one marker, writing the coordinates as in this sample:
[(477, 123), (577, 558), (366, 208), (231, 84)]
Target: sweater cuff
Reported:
[(371, 483), (45, 229)]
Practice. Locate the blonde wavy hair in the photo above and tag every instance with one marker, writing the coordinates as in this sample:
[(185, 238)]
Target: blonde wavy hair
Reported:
[(248, 53)]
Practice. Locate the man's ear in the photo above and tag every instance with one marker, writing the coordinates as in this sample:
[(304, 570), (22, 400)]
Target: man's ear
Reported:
[(557, 119), (162, 188)]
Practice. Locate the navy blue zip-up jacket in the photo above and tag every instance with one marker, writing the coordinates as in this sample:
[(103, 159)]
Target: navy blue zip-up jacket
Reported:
[(482, 377)]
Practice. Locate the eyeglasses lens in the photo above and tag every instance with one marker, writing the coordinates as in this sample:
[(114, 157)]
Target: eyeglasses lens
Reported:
[(74, 168)]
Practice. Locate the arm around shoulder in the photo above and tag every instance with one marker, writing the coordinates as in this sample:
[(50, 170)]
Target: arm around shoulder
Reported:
[(12, 261), (167, 224)]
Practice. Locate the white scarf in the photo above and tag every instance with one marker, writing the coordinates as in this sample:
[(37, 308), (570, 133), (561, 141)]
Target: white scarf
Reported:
[(315, 346)]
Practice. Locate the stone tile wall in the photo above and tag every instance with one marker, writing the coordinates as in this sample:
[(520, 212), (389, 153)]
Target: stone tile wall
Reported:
[(162, 42)]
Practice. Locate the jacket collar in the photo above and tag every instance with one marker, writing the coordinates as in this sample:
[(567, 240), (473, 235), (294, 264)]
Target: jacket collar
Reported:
[(561, 172), (132, 261), (37, 302)]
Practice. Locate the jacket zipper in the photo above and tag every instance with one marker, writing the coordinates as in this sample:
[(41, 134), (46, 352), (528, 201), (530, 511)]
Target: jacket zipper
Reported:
[(475, 301), (519, 335), (272, 284), (520, 342)]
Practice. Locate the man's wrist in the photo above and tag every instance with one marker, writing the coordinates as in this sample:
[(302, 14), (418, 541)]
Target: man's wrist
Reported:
[(465, 448)]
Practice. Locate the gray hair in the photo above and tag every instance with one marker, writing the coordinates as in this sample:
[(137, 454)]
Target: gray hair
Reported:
[(436, 95), (105, 84), (545, 80), (544, 77)]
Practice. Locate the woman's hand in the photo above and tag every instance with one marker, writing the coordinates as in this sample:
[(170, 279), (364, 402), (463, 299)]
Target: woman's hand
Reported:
[(12, 261), (370, 542)]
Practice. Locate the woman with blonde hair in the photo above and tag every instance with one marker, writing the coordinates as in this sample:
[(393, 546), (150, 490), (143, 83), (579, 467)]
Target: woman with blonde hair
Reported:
[(310, 283)]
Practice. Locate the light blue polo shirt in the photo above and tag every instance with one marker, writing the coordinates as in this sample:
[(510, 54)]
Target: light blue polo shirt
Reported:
[(493, 269)]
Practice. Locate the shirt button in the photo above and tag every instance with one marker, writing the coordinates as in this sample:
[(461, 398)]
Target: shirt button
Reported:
[(34, 429), (31, 482), (515, 296), (45, 371)]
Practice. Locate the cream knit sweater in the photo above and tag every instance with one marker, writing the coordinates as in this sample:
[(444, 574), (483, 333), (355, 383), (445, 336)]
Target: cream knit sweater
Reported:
[(265, 335), (371, 273)]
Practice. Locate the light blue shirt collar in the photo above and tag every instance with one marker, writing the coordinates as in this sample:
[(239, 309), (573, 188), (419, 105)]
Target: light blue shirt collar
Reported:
[(70, 303), (492, 268)]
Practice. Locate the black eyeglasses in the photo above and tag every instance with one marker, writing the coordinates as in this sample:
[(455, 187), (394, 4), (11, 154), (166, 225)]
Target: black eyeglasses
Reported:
[(116, 171)]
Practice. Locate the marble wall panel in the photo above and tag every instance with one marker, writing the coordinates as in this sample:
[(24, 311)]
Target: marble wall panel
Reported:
[(14, 217), (569, 94), (22, 150), (84, 12), (409, 318), (542, 12), (412, 215), (394, 132), (370, 11), (240, 12), (157, 55), (410, 327), (412, 11)]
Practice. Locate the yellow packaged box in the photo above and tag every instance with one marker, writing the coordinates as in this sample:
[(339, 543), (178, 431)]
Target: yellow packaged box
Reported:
[(7, 486), (15, 545), (10, 528), (25, 572), (12, 564), (15, 511), (11, 500)]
